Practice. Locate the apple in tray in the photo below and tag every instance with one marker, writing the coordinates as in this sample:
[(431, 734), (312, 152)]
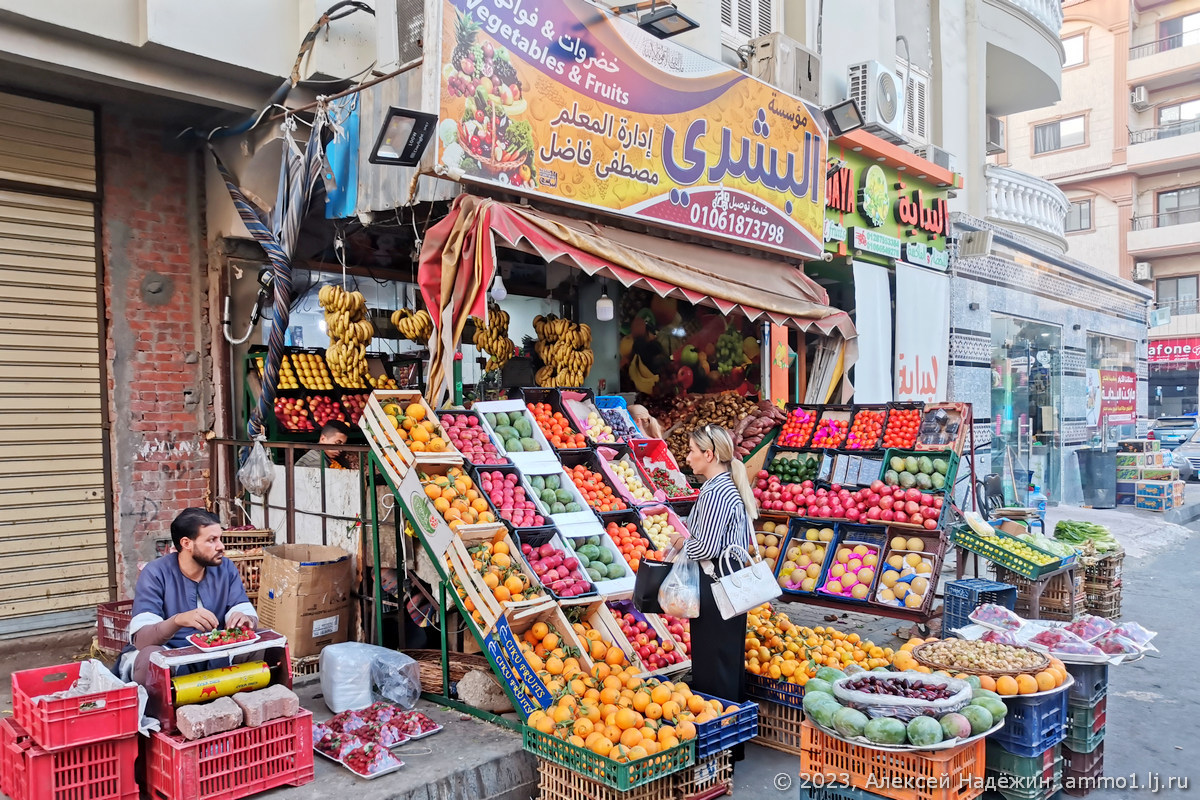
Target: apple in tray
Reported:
[(470, 439), (557, 570)]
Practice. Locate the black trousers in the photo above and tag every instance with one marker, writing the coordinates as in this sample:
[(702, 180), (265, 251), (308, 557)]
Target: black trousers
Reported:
[(718, 653)]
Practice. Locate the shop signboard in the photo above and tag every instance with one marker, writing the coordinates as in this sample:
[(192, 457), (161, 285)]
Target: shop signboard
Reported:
[(887, 213), (1111, 396), (1174, 351), (563, 100), (922, 334)]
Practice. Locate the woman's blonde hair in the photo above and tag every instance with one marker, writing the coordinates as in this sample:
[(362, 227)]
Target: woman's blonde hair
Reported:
[(648, 424), (720, 442)]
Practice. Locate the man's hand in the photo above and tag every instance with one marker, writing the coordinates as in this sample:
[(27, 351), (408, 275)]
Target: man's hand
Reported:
[(201, 619), (239, 620)]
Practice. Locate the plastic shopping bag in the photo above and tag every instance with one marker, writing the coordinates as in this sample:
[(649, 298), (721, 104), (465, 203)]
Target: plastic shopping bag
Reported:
[(257, 474), (679, 594)]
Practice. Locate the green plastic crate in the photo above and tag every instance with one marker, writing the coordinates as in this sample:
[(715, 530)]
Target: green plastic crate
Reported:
[(1000, 760), (620, 776), (1084, 745), (964, 537), (949, 456)]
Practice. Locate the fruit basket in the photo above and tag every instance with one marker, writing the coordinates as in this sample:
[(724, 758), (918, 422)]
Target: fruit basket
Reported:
[(1033, 661), (801, 533), (922, 469), (1008, 551), (867, 425)]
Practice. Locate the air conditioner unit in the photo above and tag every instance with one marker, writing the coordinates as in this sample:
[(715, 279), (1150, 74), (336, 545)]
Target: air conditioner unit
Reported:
[(399, 33), (785, 64), (995, 135), (936, 155), (1141, 271), (1139, 98), (879, 94)]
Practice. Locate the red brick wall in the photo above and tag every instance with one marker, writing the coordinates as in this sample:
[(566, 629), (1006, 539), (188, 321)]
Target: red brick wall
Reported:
[(157, 340)]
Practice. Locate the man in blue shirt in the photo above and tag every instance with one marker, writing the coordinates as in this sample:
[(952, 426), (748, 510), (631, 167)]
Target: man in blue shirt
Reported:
[(193, 590)]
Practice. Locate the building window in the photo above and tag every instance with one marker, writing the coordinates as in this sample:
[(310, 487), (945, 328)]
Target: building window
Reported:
[(1058, 135), (1179, 32), (1178, 207), (1177, 294), (1073, 50), (1178, 119), (743, 20), (1079, 216)]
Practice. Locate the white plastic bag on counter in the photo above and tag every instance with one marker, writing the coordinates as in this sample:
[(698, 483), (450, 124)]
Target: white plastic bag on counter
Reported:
[(350, 669)]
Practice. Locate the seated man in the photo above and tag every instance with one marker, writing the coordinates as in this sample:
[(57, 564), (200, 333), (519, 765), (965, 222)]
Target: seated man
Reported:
[(333, 432), (193, 590)]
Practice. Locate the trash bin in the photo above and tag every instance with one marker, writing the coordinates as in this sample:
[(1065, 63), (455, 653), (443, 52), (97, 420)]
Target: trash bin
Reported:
[(1098, 476)]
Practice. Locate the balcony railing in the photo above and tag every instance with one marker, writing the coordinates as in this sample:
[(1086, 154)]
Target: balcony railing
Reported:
[(1179, 307), (1165, 219), (1022, 200), (1048, 12), (1173, 42), (1168, 131)]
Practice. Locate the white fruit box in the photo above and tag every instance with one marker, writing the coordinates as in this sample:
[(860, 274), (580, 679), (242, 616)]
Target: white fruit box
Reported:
[(564, 481), (595, 612), (429, 524), (615, 588), (522, 458)]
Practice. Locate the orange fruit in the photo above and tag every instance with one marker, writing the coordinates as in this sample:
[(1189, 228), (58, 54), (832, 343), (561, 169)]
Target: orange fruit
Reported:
[(660, 694), (1027, 684), (601, 746), (631, 737), (654, 711), (685, 730), (1046, 680), (628, 718), (539, 630), (987, 682), (1007, 685), (415, 411)]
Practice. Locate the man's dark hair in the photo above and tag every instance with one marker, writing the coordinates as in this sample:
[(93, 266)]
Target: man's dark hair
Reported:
[(188, 524), (336, 426)]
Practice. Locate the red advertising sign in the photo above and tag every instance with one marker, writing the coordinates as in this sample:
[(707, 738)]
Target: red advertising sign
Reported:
[(1112, 395), (1174, 351)]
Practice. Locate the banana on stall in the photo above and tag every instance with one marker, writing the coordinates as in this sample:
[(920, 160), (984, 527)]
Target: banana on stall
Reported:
[(565, 347)]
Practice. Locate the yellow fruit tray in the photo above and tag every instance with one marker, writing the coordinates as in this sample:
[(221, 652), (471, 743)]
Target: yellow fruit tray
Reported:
[(990, 548)]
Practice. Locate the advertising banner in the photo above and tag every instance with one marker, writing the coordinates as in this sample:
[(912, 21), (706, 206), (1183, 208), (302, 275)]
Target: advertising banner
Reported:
[(922, 334), (1112, 395), (1174, 351), (873, 301), (562, 100)]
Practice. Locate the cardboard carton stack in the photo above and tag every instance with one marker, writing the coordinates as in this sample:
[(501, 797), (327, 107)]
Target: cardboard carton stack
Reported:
[(1143, 478)]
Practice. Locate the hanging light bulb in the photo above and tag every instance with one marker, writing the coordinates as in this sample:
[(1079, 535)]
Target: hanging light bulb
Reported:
[(499, 291), (604, 305)]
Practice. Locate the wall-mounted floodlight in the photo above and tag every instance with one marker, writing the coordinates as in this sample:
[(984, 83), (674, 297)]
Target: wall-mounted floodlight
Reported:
[(403, 138)]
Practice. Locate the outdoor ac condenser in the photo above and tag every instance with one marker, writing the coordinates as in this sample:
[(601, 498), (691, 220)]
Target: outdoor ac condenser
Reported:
[(879, 94), (785, 64)]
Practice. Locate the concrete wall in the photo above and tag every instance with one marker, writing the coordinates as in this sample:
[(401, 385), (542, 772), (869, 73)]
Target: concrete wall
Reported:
[(160, 370), (1101, 245)]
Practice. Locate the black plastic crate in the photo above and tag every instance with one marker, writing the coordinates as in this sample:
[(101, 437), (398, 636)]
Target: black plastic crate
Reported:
[(964, 596)]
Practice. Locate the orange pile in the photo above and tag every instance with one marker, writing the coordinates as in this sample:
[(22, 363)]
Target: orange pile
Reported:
[(467, 602), (455, 497), (420, 434), (1050, 678), (556, 427), (630, 542), (616, 714), (501, 571), (598, 494), (599, 650), (778, 648)]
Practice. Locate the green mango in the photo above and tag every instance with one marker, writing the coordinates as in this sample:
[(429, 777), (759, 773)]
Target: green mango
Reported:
[(938, 480), (829, 674), (593, 540), (513, 445), (897, 464), (891, 477), (553, 481), (849, 722), (977, 692), (490, 419), (615, 571), (812, 700), (924, 465), (523, 427), (537, 483), (573, 508), (595, 574), (818, 685), (924, 731), (979, 717), (941, 466), (995, 706), (584, 561), (548, 496), (564, 496), (911, 465), (558, 508), (591, 551), (530, 445), (885, 730), (606, 556)]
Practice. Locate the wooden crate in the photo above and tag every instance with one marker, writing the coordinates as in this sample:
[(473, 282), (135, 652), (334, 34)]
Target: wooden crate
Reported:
[(403, 398), (557, 782), (522, 619), (779, 728), (708, 778), (1062, 599), (599, 617)]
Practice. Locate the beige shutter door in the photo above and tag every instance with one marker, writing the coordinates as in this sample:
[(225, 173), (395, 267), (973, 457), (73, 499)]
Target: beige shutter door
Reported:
[(54, 564)]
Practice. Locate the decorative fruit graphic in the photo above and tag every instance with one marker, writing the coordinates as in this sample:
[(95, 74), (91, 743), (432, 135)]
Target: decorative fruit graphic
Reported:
[(470, 438), (595, 490), (456, 498), (415, 428), (660, 530), (293, 415), (349, 334), (558, 570), (921, 471), (902, 427), (798, 428), (556, 428), (629, 542), (565, 348), (629, 476), (778, 648), (599, 561), (507, 494), (866, 430), (325, 408), (514, 429)]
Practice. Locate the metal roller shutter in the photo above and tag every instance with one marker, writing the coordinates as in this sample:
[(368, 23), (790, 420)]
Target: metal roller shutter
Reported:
[(54, 541)]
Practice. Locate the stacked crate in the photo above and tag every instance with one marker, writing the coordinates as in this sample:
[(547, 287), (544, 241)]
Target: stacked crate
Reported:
[(1024, 758), (1063, 597), (1083, 749), (1102, 584)]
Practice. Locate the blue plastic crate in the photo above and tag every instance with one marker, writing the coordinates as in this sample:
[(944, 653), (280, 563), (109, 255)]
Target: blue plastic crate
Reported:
[(724, 732), (1091, 683), (834, 792), (963, 597), (1033, 724), (770, 690)]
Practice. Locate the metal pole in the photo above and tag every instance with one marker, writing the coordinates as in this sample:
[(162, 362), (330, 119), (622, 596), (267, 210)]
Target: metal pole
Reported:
[(764, 361), (376, 584), (289, 461)]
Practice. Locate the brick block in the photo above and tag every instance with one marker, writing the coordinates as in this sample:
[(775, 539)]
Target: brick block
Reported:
[(267, 704), (205, 719)]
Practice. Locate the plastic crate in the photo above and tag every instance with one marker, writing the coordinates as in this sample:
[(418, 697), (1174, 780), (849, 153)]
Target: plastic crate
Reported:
[(1084, 720), (112, 624), (55, 724), (874, 444), (779, 728), (556, 782), (97, 771), (726, 730), (1091, 683), (1000, 760), (797, 526), (1042, 788), (964, 537), (772, 691), (245, 540), (952, 774), (1080, 771), (708, 778), (964, 596), (1033, 724), (657, 451), (230, 765), (1084, 746), (947, 455), (610, 773), (791, 454), (835, 791)]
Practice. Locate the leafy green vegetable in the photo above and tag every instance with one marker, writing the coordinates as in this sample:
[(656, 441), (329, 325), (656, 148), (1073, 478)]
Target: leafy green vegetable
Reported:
[(520, 136), (1078, 533)]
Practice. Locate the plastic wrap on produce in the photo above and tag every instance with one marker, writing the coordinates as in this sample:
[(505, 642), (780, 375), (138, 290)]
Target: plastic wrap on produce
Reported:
[(902, 708)]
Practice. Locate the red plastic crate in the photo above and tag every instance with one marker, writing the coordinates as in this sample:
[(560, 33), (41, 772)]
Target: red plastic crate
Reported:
[(230, 765), (56, 724), (112, 624), (98, 771)]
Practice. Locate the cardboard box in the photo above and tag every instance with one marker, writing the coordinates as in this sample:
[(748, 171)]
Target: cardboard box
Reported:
[(1126, 499), (1158, 474), (1139, 445), (1177, 490), (1140, 459), (1154, 503), (304, 593), (1128, 473), (1127, 487), (1153, 489)]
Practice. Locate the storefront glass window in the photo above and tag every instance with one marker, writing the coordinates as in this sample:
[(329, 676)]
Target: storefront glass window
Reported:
[(1107, 355), (1026, 375)]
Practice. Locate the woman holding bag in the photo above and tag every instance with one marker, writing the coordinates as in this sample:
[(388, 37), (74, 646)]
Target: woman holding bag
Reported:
[(721, 518)]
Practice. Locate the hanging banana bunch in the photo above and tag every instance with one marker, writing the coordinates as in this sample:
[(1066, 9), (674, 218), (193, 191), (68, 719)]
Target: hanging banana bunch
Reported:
[(414, 326), (349, 334), (492, 338), (565, 348)]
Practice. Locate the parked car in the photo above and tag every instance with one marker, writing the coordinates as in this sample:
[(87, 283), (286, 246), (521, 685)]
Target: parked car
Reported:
[(1173, 431), (1186, 458)]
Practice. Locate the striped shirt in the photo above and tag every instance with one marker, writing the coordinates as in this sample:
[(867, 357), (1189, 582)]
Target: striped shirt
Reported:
[(717, 521)]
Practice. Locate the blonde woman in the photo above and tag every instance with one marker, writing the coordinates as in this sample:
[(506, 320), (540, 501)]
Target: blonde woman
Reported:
[(648, 424), (721, 518)]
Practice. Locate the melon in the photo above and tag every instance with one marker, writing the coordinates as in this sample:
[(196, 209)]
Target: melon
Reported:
[(530, 445), (924, 731), (818, 685), (885, 730), (512, 445)]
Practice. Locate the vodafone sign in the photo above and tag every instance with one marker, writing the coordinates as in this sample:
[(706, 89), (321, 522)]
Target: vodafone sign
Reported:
[(1174, 351)]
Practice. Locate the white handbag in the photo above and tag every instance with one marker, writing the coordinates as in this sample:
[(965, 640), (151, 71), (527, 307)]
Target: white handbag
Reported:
[(749, 587)]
